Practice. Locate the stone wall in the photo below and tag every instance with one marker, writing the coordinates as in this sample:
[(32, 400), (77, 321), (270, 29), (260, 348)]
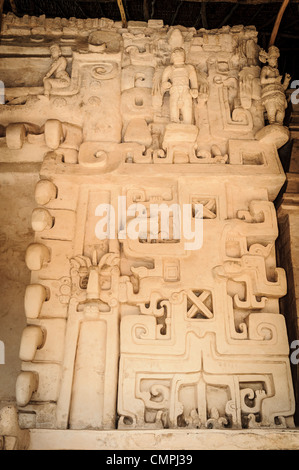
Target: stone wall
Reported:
[(120, 148), (17, 187)]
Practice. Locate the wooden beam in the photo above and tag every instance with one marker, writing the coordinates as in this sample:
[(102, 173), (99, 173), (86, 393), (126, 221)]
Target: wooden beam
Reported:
[(278, 21), (122, 13), (13, 7)]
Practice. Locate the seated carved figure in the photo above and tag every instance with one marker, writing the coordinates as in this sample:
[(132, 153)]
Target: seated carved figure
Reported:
[(273, 91), (57, 77), (180, 80)]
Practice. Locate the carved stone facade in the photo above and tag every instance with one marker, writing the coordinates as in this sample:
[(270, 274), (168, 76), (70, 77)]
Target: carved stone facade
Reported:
[(149, 332), (288, 220)]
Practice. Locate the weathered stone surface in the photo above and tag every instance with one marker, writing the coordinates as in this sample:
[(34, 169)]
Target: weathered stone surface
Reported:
[(16, 206), (12, 437), (254, 439), (153, 303)]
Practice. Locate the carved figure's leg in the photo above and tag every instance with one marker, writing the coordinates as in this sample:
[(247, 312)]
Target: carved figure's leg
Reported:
[(271, 108), (187, 110), (47, 86), (280, 116), (174, 108), (52, 84)]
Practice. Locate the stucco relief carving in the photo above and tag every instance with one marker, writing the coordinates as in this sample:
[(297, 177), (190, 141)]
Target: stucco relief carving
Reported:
[(273, 96), (57, 77), (143, 332)]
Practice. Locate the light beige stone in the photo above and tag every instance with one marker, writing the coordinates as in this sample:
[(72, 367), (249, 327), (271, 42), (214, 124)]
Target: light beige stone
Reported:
[(41, 220), (16, 134), (32, 339), (137, 326), (45, 191), (27, 383), (138, 131), (36, 256), (12, 437), (273, 134)]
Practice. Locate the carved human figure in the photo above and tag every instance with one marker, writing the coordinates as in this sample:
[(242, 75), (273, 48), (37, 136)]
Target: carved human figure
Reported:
[(273, 90), (57, 77), (180, 79)]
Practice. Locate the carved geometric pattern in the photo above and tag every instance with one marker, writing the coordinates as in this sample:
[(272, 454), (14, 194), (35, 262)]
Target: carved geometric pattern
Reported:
[(148, 332)]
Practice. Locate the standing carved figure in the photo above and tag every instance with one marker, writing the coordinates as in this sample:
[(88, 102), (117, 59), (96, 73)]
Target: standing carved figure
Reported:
[(273, 91), (180, 79), (57, 77)]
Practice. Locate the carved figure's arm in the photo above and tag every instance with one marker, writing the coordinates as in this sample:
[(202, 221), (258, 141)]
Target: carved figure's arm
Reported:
[(52, 70), (193, 77), (166, 79), (287, 80)]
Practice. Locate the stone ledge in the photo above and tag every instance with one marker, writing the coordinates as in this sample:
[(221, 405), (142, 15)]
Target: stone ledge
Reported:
[(156, 440)]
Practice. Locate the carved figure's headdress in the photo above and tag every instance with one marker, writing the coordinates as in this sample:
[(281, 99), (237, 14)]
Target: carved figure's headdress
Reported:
[(273, 51), (55, 47), (179, 50)]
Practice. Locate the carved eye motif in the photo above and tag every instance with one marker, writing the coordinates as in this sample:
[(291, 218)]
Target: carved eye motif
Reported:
[(139, 80)]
